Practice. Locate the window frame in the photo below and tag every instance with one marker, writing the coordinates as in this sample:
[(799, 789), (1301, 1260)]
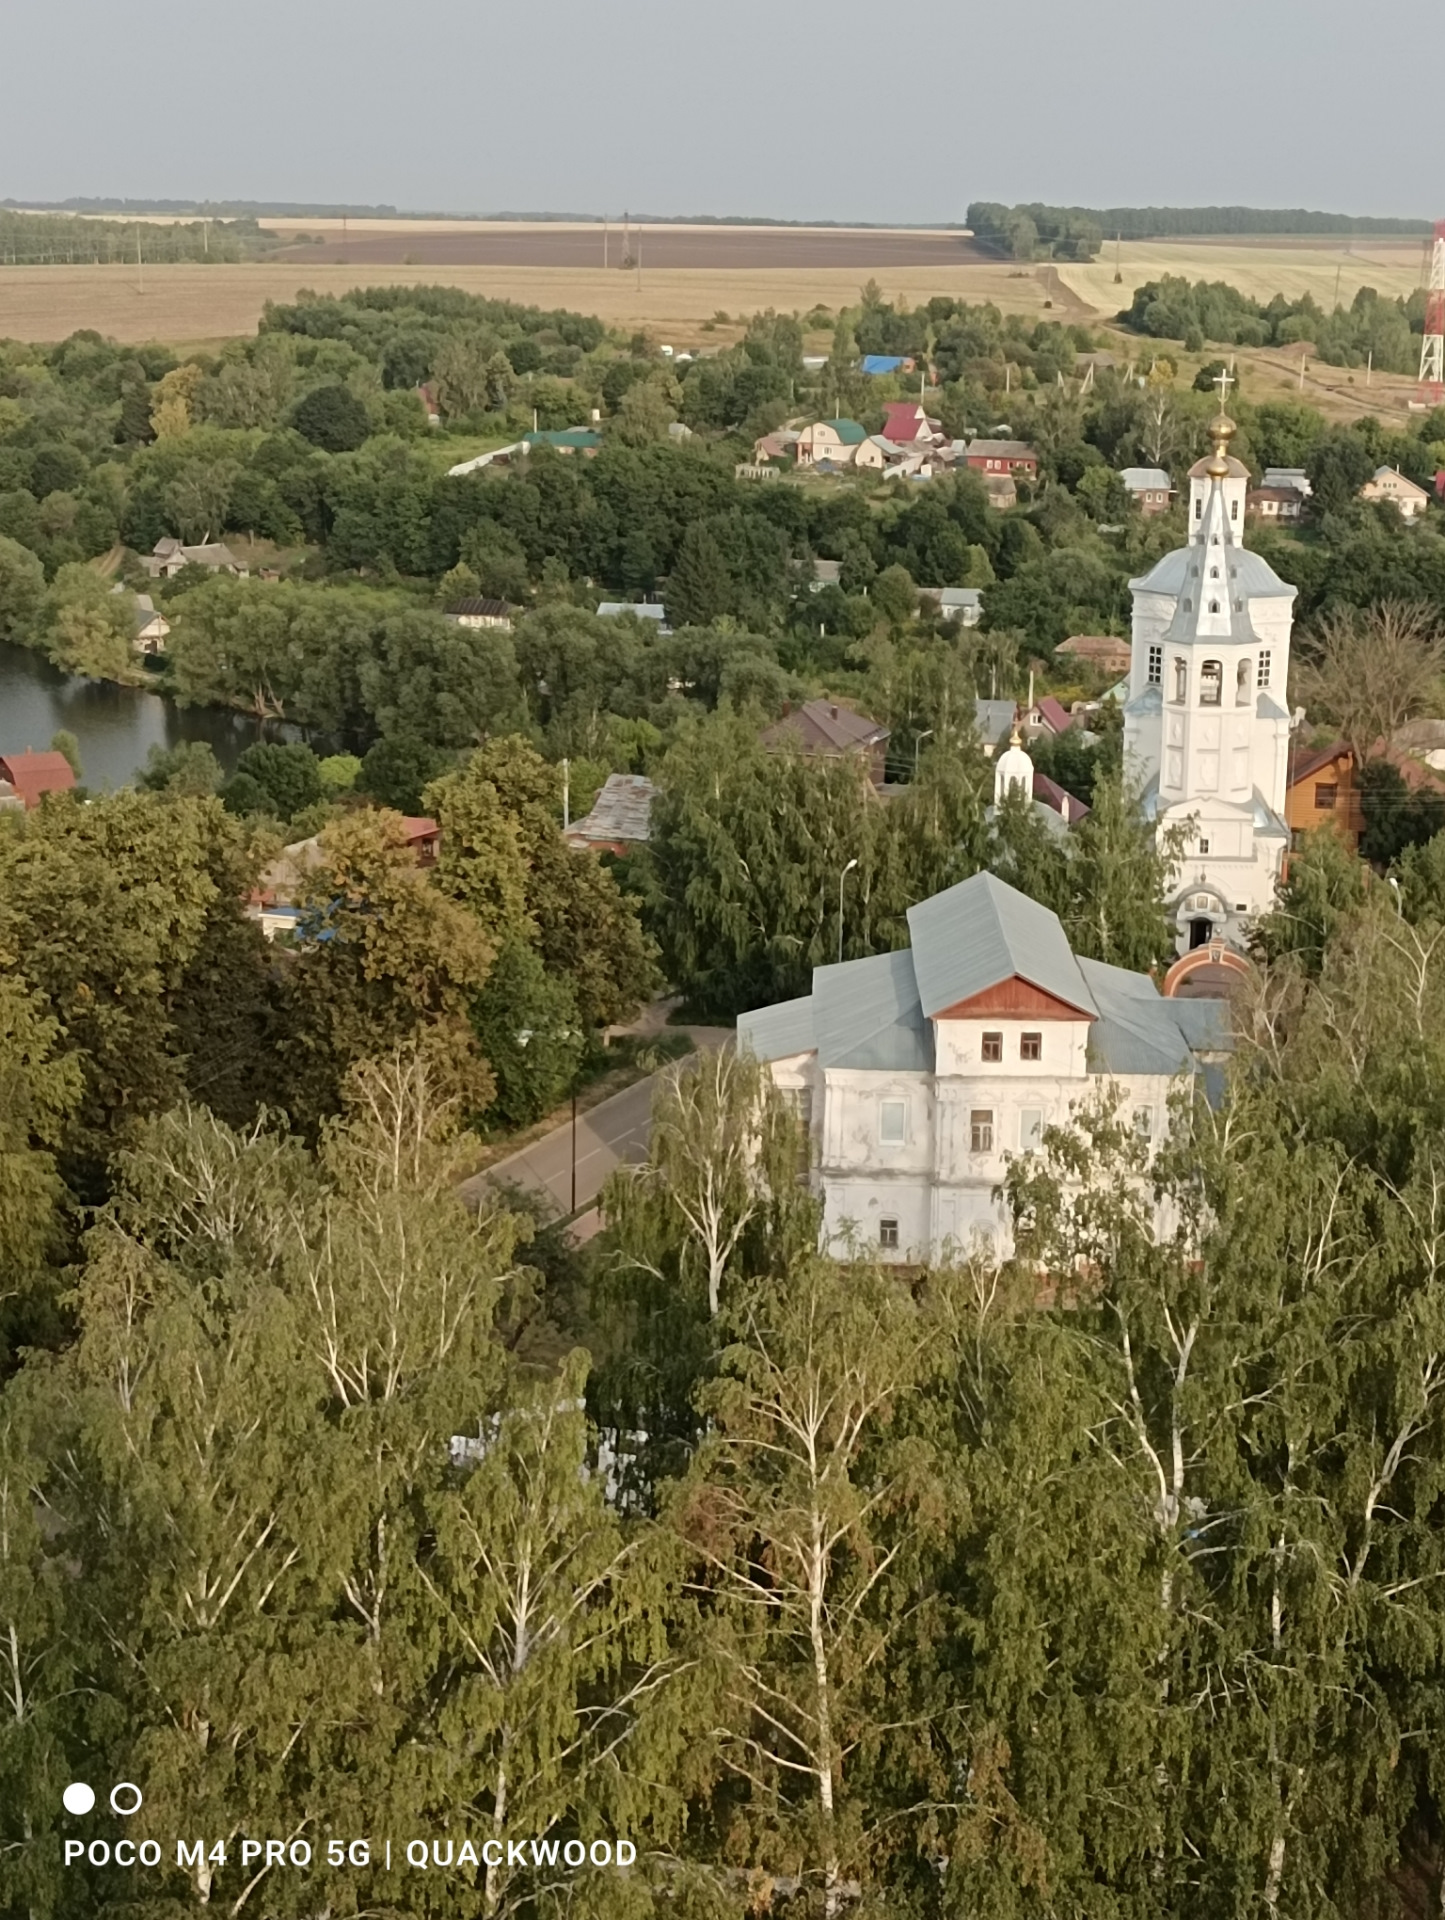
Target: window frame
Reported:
[(887, 1233), (1323, 787), (889, 1103), (980, 1129), (1211, 683), (991, 1049), (1263, 669), (1154, 665), (1031, 1046)]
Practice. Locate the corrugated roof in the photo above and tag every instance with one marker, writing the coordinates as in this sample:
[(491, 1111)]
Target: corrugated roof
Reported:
[(1136, 1031), (1002, 449), (881, 362), (773, 1033), (866, 1013), (848, 431), (621, 811), (975, 934), (1206, 1024), (1144, 479)]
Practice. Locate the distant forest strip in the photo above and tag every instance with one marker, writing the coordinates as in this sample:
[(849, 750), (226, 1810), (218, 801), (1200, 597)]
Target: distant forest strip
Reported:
[(62, 239), (1033, 231)]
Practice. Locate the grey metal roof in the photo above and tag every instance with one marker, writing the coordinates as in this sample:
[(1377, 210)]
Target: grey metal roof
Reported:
[(1253, 576), (1205, 1024), (866, 1013), (772, 1033), (640, 609), (1136, 1031), (994, 719), (1141, 479), (981, 931), (621, 811)]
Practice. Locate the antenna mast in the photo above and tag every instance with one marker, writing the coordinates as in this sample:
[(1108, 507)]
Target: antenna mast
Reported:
[(1432, 348)]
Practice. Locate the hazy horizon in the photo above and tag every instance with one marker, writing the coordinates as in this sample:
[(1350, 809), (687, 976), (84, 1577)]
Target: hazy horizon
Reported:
[(811, 112)]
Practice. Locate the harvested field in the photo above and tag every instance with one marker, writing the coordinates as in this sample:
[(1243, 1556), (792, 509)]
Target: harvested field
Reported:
[(189, 304), (574, 246), (1259, 269)]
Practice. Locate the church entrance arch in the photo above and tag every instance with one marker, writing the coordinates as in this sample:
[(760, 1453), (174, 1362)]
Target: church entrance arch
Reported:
[(1200, 929)]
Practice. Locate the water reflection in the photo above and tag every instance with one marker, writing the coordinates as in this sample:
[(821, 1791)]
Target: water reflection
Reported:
[(116, 726)]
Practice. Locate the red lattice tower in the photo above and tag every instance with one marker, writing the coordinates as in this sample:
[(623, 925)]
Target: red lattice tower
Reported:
[(1432, 348)]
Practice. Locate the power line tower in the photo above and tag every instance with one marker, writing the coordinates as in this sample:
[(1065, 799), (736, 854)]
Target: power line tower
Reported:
[(1432, 348)]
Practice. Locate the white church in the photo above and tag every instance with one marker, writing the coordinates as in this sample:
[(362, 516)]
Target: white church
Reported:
[(1207, 724)]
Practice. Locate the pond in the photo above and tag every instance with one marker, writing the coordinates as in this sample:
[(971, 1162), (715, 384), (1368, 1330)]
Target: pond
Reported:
[(115, 726)]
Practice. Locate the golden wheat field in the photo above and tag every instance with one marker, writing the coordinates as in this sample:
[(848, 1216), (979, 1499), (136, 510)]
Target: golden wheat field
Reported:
[(188, 304), (1326, 269)]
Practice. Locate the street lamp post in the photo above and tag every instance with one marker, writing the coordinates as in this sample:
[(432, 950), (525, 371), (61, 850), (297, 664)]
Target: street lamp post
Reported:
[(841, 878), (927, 734)]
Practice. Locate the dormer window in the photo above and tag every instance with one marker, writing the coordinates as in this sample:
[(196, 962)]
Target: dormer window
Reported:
[(1214, 606), (1214, 573), (1211, 683)]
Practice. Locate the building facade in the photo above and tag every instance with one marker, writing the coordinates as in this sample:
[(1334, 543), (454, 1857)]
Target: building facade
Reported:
[(1206, 724), (922, 1074)]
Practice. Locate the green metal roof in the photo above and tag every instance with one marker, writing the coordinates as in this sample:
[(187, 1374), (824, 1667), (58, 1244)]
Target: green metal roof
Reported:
[(848, 431), (577, 437)]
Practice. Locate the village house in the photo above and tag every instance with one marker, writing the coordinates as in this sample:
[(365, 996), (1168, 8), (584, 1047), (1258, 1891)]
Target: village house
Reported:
[(824, 730), (274, 903), (963, 605), (585, 440), (920, 1074), (1148, 488), (168, 557), (620, 816), (1100, 652), (830, 443), (1004, 457), (1322, 791), (905, 421), (1388, 483), (826, 573), (151, 628), (476, 611), (874, 364), (26, 778), (1293, 477), (1274, 503)]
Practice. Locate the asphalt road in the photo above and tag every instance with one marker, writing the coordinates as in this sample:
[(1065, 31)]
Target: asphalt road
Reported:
[(613, 1131)]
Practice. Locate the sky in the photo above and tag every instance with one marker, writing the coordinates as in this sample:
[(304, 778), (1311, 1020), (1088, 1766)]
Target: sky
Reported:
[(794, 109)]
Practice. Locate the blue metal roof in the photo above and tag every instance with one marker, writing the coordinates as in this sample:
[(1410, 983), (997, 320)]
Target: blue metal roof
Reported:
[(882, 362)]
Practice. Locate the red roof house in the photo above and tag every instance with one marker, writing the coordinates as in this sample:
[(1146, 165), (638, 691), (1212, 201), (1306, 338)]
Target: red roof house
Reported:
[(904, 421), (32, 775)]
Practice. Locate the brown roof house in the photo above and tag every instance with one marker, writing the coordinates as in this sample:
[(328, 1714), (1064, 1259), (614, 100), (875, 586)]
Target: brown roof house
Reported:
[(479, 612), (25, 778), (822, 729), (1104, 652), (620, 818)]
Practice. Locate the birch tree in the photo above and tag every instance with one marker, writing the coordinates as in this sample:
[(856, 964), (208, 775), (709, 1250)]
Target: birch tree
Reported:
[(795, 1513)]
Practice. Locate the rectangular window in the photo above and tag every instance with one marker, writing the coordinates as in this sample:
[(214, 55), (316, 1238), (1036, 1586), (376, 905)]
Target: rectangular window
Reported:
[(892, 1122), (1156, 666), (980, 1130), (1262, 675), (1204, 846), (1326, 794), (1031, 1126), (1144, 1122), (1031, 1046), (993, 1046), (888, 1235)]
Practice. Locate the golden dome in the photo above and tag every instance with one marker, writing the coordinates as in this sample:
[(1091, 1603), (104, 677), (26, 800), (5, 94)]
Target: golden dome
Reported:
[(1221, 432)]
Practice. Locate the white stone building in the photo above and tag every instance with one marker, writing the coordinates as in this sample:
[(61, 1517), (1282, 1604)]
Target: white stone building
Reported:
[(1207, 724), (921, 1072)]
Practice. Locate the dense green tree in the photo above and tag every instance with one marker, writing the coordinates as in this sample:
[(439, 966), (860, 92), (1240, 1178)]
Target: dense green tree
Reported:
[(288, 773), (22, 593), (333, 418), (699, 588)]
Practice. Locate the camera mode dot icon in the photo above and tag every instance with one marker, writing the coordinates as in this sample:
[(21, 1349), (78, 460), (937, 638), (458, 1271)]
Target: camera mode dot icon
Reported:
[(78, 1797)]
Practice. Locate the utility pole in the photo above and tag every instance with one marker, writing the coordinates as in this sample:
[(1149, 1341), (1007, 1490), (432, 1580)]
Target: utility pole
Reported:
[(566, 794), (841, 878)]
